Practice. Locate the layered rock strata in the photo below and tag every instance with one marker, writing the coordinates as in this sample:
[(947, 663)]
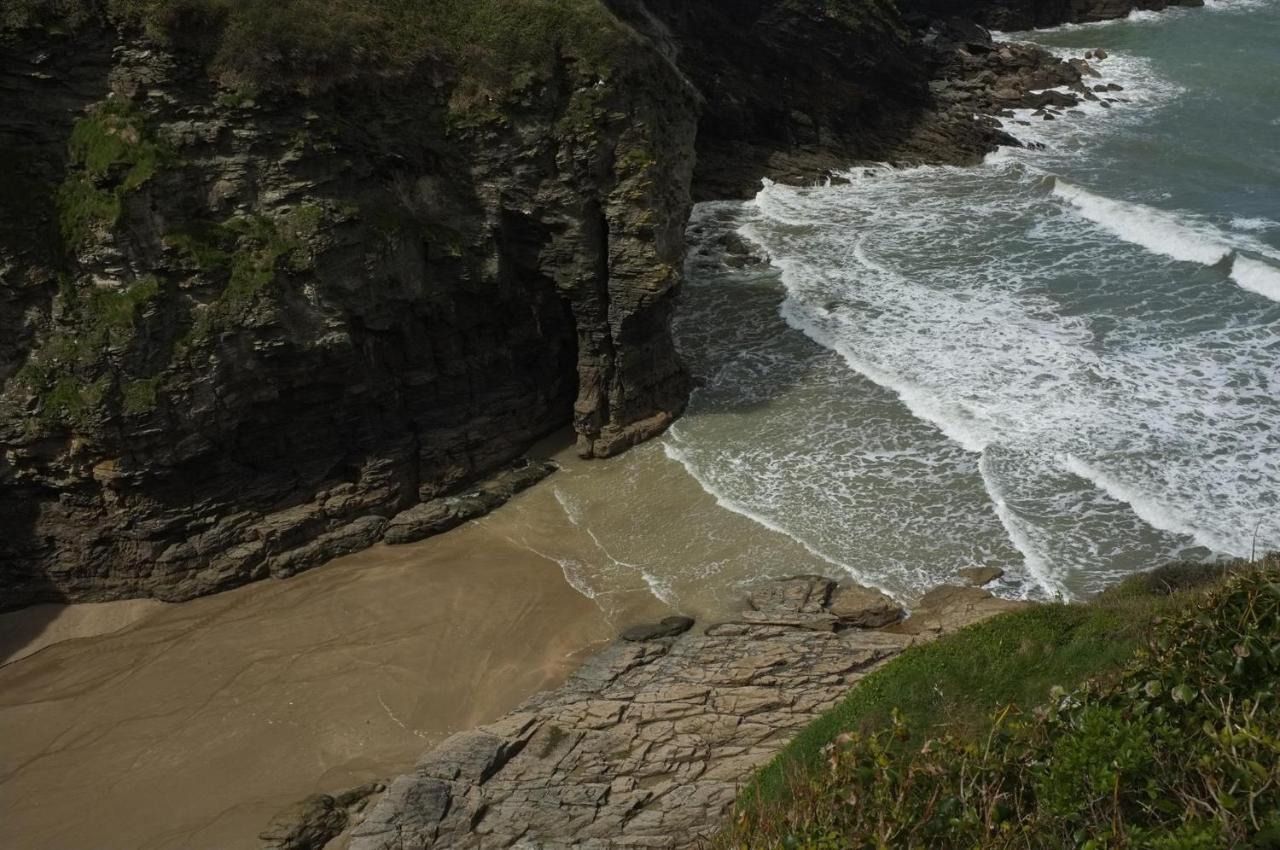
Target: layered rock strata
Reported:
[(650, 742)]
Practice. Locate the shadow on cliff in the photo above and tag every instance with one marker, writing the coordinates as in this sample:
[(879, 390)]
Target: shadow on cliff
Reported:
[(20, 628), (17, 535)]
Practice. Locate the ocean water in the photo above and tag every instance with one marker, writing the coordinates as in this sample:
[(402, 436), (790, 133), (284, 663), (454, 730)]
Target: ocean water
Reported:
[(1064, 362)]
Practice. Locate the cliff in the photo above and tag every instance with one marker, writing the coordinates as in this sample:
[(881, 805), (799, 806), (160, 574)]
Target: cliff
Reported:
[(281, 280), (265, 316)]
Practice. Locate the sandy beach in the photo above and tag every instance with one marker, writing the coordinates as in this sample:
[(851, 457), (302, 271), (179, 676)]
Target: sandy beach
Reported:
[(193, 726), (145, 725)]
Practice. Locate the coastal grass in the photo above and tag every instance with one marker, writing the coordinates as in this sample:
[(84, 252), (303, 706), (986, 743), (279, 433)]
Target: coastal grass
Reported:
[(309, 45), (914, 740)]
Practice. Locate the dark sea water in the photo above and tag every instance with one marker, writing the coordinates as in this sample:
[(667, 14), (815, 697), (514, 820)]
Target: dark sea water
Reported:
[(1065, 361)]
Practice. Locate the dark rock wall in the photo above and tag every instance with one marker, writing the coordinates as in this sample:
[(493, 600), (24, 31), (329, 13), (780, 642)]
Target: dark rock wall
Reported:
[(319, 312), (791, 89)]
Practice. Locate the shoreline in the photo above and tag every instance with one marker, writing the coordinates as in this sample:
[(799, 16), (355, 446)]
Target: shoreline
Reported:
[(197, 723)]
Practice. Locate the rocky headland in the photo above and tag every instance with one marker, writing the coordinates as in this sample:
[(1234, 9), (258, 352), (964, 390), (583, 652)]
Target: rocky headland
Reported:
[(648, 744), (266, 291)]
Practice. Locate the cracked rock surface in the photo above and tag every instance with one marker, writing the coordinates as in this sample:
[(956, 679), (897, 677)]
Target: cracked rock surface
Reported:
[(648, 744)]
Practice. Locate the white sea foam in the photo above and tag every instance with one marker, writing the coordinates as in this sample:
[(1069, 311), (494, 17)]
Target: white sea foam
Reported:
[(952, 420), (1147, 506), (1036, 563), (675, 453), (1157, 231), (1111, 411), (989, 363), (1254, 225), (1176, 237), (1255, 276)]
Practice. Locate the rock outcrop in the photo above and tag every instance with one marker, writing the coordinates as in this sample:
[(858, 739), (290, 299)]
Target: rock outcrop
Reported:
[(649, 743), (317, 820)]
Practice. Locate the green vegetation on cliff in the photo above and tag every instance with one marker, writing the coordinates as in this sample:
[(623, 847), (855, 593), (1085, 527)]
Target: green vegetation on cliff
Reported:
[(68, 373), (110, 155), (310, 44), (1177, 748)]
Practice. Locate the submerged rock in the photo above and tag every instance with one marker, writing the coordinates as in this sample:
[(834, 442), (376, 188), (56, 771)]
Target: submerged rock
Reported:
[(798, 595)]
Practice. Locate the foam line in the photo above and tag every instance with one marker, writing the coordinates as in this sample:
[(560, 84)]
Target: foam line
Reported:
[(674, 453), (919, 401), (1157, 231), (1164, 233), (922, 403), (1148, 509), (1037, 567)]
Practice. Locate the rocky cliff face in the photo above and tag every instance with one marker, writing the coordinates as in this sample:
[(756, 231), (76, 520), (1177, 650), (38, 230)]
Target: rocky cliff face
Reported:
[(261, 326)]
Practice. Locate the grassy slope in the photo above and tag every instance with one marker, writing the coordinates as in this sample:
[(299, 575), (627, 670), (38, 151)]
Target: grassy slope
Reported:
[(954, 687), (310, 44)]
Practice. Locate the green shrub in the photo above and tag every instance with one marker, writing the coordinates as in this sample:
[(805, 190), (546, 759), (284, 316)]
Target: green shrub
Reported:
[(69, 372), (1180, 749)]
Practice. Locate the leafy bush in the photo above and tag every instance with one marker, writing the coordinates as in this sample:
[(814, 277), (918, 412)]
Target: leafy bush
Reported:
[(1181, 750)]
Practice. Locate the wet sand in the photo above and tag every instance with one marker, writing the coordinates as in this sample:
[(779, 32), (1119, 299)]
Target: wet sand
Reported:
[(30, 630), (191, 727)]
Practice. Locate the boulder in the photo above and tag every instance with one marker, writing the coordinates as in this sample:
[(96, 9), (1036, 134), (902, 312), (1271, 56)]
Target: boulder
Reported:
[(667, 627), (949, 607), (979, 576), (863, 607), (798, 595)]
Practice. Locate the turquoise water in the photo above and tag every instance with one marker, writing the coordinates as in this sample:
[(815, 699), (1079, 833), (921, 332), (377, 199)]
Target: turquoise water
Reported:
[(1065, 361)]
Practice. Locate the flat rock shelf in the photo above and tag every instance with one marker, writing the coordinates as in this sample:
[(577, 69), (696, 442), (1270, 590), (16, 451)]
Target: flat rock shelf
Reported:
[(649, 743)]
